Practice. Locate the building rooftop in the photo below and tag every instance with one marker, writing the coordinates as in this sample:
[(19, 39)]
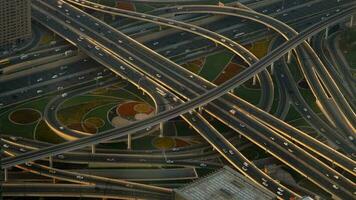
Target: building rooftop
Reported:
[(224, 184)]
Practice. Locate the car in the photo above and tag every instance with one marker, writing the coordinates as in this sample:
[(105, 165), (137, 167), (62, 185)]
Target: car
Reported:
[(231, 152), (81, 29), (81, 77), (61, 127), (39, 79), (351, 138), (79, 177), (170, 161), (335, 186), (97, 48), (110, 159), (246, 164), (285, 143), (68, 52), (120, 41), (5, 145), (54, 76), (243, 125), (60, 156), (280, 189), (130, 58), (158, 75), (193, 119), (336, 176), (64, 67), (67, 21), (22, 150), (24, 56), (175, 149), (244, 168), (155, 43), (13, 138), (122, 67), (100, 54), (193, 29), (232, 111), (224, 150), (39, 91), (148, 128), (28, 164), (52, 171), (290, 150), (265, 184), (202, 165), (272, 138), (64, 95), (279, 193)]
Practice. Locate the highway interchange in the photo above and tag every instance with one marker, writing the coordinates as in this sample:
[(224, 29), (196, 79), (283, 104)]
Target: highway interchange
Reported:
[(166, 83)]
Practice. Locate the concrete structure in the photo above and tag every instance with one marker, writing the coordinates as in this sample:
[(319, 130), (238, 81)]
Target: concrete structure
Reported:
[(15, 22), (223, 184)]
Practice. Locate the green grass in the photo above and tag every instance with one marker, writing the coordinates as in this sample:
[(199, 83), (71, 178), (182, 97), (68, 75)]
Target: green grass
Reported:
[(101, 112), (44, 133), (214, 65), (252, 96)]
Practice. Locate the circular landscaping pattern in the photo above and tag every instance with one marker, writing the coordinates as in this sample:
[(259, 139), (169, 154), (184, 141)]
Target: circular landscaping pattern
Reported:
[(83, 127), (25, 116), (143, 108), (164, 142), (131, 110), (98, 122)]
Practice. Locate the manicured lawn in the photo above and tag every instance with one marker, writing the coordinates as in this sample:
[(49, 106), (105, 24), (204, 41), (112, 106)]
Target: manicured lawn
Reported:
[(214, 65)]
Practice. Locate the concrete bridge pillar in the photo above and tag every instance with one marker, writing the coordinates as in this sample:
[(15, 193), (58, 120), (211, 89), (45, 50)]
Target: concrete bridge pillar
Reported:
[(93, 149), (5, 175), (129, 142), (326, 32), (254, 80), (289, 56), (352, 21), (50, 161), (161, 129)]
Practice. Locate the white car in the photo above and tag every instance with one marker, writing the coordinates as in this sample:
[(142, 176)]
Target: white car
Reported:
[(80, 177), (5, 146), (39, 91), (64, 95)]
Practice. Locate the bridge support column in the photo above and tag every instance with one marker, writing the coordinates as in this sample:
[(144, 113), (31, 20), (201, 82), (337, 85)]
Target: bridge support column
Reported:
[(129, 142), (5, 175), (289, 56), (272, 68), (200, 109), (161, 129), (93, 149), (254, 79), (326, 32), (351, 21), (50, 161)]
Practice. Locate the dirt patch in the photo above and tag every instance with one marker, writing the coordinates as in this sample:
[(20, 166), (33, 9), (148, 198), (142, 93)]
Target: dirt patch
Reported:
[(164, 143), (230, 71), (25, 116)]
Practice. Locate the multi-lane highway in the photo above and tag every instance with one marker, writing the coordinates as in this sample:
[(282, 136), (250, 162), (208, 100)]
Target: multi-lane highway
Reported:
[(152, 72)]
